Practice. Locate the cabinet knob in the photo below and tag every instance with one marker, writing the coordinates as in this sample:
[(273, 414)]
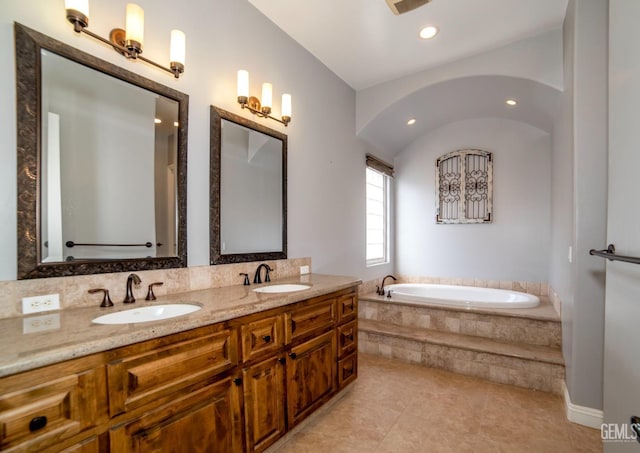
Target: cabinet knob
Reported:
[(282, 360), (237, 381), (266, 338), (293, 355), (37, 423)]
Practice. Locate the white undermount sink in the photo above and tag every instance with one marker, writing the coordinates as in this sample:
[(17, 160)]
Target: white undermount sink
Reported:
[(147, 314), (282, 288)]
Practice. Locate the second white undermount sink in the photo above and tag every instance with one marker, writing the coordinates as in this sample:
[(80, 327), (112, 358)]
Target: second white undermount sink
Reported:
[(147, 314), (282, 288)]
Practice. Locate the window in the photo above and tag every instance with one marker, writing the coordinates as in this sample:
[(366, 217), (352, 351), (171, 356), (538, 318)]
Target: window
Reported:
[(378, 182)]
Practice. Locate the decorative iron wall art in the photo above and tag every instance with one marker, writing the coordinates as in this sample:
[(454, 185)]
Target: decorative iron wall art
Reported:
[(464, 187)]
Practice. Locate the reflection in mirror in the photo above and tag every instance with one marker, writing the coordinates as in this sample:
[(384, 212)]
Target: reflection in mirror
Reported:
[(110, 188), (109, 148), (248, 174)]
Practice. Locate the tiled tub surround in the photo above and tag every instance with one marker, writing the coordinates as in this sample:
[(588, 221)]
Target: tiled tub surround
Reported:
[(76, 336), (73, 290), (512, 346)]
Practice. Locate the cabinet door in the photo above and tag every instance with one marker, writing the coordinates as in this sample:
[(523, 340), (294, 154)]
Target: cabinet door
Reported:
[(208, 420), (264, 403), (311, 371)]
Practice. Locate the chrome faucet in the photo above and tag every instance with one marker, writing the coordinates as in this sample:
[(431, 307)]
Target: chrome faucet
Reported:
[(380, 289), (132, 278), (257, 279)]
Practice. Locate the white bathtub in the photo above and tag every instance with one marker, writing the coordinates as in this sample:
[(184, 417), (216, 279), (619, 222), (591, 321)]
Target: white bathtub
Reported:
[(461, 296)]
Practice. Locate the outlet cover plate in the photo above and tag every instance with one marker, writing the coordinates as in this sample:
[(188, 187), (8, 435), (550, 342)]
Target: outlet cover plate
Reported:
[(34, 324), (304, 270), (38, 304)]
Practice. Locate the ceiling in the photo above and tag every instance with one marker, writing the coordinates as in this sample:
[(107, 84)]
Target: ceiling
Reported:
[(365, 44), (462, 99)]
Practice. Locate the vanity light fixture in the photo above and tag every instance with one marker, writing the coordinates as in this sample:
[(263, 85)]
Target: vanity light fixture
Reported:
[(511, 102), (128, 42), (411, 122), (262, 109)]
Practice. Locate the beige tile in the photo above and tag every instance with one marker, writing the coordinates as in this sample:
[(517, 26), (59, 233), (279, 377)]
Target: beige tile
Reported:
[(400, 407)]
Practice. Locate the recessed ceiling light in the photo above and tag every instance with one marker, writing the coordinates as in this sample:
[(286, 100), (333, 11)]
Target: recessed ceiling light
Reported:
[(428, 32), (411, 122), (511, 102), (157, 121)]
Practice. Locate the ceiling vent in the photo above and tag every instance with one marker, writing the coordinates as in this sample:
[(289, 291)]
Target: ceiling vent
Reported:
[(404, 6)]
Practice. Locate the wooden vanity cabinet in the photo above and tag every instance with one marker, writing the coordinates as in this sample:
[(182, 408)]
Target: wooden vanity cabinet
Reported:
[(229, 387)]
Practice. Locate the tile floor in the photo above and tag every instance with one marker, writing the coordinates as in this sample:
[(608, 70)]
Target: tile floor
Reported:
[(399, 407)]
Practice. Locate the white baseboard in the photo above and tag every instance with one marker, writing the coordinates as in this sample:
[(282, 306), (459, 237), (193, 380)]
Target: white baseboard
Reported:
[(593, 418)]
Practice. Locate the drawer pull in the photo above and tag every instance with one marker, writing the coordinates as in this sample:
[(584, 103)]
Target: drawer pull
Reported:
[(266, 338), (37, 423)]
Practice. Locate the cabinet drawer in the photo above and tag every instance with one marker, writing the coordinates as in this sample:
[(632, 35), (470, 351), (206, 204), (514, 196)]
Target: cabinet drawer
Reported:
[(261, 337), (308, 319), (347, 307), (347, 338), (138, 379), (42, 415), (347, 370)]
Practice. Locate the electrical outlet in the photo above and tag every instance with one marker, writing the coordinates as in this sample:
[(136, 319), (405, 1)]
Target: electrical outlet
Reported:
[(37, 304), (304, 270), (33, 324)]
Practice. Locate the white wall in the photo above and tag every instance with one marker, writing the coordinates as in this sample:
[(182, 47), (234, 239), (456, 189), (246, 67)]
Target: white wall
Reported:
[(580, 152), (516, 245), (326, 160)]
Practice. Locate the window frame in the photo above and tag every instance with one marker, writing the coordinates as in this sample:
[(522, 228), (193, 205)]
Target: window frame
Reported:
[(386, 171)]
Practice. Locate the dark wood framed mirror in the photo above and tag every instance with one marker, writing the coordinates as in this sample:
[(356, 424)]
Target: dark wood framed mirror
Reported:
[(102, 164), (248, 198)]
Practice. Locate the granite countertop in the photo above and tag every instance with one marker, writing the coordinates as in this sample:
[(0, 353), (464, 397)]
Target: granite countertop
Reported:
[(71, 334)]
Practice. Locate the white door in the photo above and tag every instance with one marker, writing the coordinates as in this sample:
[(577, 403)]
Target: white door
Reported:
[(622, 307)]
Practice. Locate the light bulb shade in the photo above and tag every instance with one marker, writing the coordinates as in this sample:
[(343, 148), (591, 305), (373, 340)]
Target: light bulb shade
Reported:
[(82, 6), (243, 84), (267, 95), (178, 47), (134, 31), (286, 105)]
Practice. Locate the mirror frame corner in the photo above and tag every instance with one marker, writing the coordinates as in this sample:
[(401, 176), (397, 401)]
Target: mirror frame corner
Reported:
[(28, 44), (216, 256)]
